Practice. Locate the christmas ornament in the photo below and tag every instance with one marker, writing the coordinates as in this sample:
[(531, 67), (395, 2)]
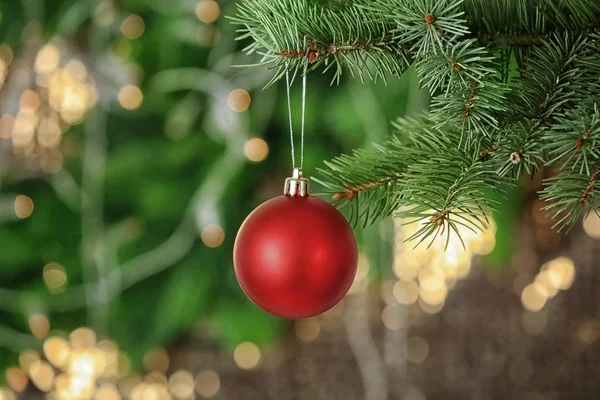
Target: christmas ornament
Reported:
[(295, 256)]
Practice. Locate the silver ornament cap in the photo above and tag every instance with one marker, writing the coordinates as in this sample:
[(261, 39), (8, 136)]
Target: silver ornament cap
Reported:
[(297, 185)]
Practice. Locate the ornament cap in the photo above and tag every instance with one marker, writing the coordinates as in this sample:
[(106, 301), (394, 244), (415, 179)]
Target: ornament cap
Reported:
[(297, 185)]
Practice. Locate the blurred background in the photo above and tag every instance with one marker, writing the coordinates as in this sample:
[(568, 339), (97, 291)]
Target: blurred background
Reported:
[(131, 151)]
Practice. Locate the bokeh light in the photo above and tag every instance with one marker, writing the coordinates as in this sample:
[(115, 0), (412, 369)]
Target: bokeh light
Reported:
[(212, 235), (16, 379), (39, 325), (406, 292), (82, 338), (107, 392), (427, 273), (55, 277), (534, 297), (23, 206), (181, 384), (133, 26), (239, 100), (207, 383), (57, 351), (246, 355), (416, 350), (208, 11), (42, 375), (256, 149), (130, 97), (591, 225), (26, 358), (7, 394), (391, 317), (307, 329)]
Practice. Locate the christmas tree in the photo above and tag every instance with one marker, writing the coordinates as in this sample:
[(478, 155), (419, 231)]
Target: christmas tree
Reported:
[(515, 87)]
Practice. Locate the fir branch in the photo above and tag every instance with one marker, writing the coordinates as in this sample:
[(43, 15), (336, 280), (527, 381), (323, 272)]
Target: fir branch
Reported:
[(573, 191), (288, 32), (550, 84)]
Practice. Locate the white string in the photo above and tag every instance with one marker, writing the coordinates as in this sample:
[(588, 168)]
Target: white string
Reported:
[(303, 113), (287, 86), (287, 80)]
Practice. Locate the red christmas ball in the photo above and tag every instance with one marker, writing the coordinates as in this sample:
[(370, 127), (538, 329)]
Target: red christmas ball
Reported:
[(295, 257)]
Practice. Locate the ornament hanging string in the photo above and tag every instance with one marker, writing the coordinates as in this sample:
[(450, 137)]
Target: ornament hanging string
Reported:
[(287, 81)]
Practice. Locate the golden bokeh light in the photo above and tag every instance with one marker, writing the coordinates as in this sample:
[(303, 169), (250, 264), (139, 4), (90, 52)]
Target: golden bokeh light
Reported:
[(42, 375), (181, 385), (391, 317), (307, 329), (564, 269), (416, 350), (208, 11), (534, 297), (156, 377), (434, 295), (591, 225), (6, 126), (156, 360), (47, 59), (39, 325), (133, 26), (57, 351), (429, 308), (150, 391), (130, 97), (212, 235), (26, 358), (107, 392), (207, 383), (406, 292), (386, 291), (7, 394), (239, 100), (23, 206), (256, 149), (16, 379), (6, 53), (82, 338), (127, 385), (55, 277), (246, 355), (427, 272)]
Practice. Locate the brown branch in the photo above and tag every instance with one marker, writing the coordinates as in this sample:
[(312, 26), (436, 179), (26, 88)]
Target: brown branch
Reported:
[(590, 186), (469, 103), (314, 52), (350, 192)]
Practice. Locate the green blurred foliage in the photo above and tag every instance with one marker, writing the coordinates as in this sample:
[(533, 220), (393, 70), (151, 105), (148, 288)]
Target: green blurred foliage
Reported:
[(150, 178)]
